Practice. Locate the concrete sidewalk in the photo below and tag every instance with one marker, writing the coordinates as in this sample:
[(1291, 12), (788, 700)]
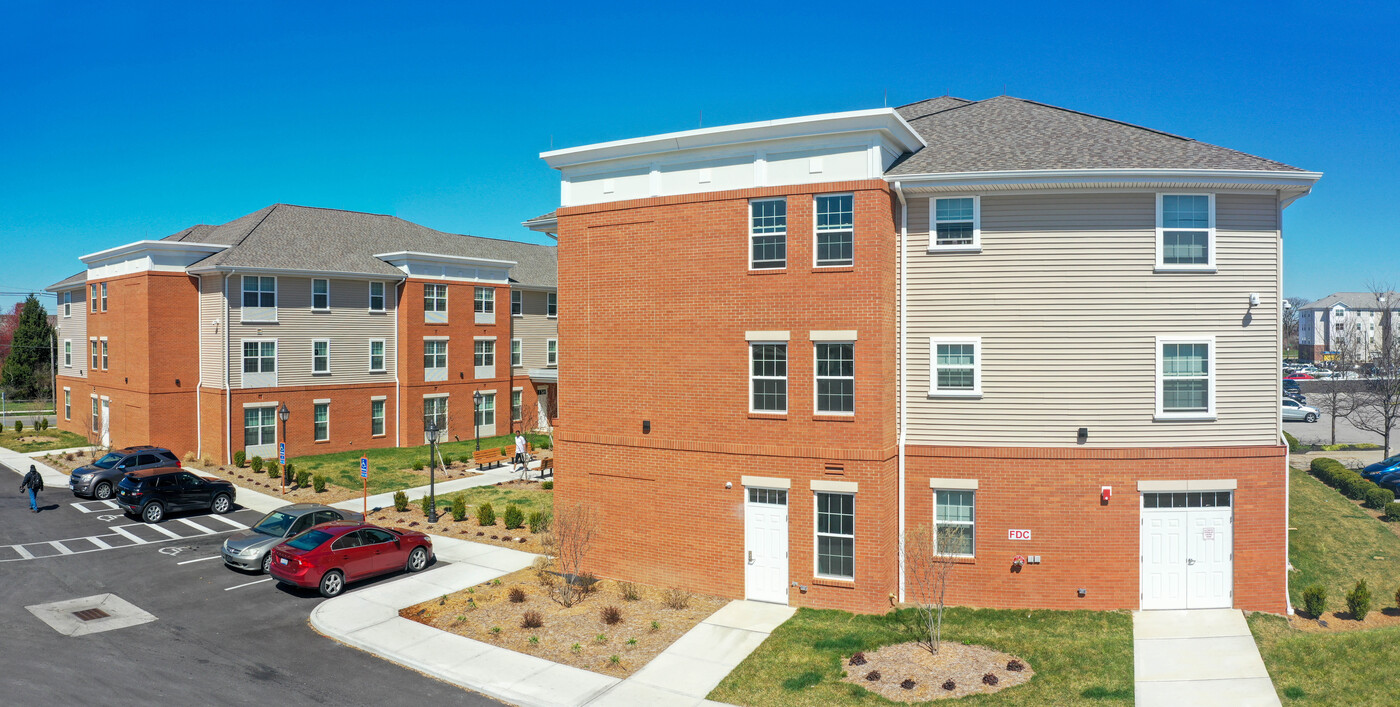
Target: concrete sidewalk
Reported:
[(19, 462), (1199, 657)]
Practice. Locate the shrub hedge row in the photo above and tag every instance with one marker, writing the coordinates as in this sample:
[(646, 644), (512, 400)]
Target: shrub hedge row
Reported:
[(1350, 483)]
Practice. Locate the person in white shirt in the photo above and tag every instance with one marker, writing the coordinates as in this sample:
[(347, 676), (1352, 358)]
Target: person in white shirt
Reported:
[(519, 451)]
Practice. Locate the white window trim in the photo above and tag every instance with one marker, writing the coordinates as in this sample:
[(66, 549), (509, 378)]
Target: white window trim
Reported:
[(517, 297), (489, 299), (326, 308), (551, 358), (92, 297), (315, 405), (384, 356), (384, 418), (1209, 265), (933, 390), (105, 358), (551, 305), (445, 303), (94, 358), (491, 351), (67, 403), (817, 534), (513, 393), (67, 353), (104, 296), (276, 355), (1210, 413), (243, 290), (748, 365), (384, 296), (973, 524), (816, 232), (517, 356), (447, 352), (815, 409), (748, 215), (975, 246), (477, 408), (315, 372), (67, 304)]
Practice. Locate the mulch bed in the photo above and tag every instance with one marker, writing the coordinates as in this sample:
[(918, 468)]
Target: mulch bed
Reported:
[(964, 665), (1341, 621), (465, 529), (474, 612)]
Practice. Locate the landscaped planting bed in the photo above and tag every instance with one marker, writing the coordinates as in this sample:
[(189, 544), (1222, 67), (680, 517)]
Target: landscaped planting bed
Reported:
[(32, 440), (957, 670), (260, 481), (582, 635), (527, 496)]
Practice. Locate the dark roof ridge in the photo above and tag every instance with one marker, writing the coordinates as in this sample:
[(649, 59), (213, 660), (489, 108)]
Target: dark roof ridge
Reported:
[(255, 226), (1096, 117), (965, 103)]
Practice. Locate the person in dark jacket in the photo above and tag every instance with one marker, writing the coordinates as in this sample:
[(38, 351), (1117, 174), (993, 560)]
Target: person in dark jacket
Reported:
[(33, 483)]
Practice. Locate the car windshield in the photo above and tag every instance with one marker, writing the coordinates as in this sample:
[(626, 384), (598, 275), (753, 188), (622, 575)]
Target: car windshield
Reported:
[(1392, 461), (108, 461), (310, 540), (275, 524)]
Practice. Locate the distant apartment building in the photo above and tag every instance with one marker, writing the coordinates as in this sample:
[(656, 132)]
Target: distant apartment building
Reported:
[(364, 327), (1349, 323), (1047, 338)]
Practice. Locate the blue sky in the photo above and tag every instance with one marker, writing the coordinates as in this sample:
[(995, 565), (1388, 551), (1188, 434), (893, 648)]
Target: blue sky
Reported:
[(123, 121)]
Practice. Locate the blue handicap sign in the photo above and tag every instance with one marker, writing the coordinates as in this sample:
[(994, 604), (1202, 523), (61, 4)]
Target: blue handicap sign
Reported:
[(364, 468), (281, 452)]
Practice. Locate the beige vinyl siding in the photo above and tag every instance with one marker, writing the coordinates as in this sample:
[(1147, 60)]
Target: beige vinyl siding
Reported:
[(75, 328), (211, 337), (349, 326), (533, 328), (1067, 304)]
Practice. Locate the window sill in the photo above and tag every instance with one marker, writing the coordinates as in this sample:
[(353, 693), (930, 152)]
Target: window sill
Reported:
[(1183, 417), (833, 268), (434, 323), (768, 271), (321, 441), (838, 582), (970, 395), (955, 249), (1160, 268), (377, 436), (768, 416), (829, 417), (376, 311), (377, 370), (320, 374), (320, 311)]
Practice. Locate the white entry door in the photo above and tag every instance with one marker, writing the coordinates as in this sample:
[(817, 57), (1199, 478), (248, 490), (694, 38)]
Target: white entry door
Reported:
[(542, 408), (766, 545), (106, 423), (1187, 550)]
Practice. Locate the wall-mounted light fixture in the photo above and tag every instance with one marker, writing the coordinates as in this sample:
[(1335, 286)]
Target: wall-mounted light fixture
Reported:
[(646, 427), (1254, 299)]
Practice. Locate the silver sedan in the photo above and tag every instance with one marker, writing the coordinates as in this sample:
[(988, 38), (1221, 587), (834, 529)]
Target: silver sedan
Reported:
[(1294, 411), (248, 549)]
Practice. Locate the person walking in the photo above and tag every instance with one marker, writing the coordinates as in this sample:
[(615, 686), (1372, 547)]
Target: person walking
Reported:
[(33, 483), (520, 452)]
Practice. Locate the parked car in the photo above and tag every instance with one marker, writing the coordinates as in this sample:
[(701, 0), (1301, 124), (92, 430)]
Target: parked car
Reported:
[(251, 549), (1298, 376), (1296, 397), (1293, 410), (99, 479), (1381, 468), (153, 493), (1389, 481), (329, 556), (1292, 386)]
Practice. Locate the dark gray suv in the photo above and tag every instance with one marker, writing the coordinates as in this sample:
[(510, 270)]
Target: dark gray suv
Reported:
[(99, 479)]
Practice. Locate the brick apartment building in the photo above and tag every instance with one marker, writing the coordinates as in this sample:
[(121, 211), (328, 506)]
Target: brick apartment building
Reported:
[(1050, 338), (364, 327), (1347, 324)]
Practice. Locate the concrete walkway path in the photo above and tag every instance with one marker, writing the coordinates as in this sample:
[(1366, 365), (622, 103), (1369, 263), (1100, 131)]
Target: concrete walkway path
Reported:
[(1201, 657), (19, 463)]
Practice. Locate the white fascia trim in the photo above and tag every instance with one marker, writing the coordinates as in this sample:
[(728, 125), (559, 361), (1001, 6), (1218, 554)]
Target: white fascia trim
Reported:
[(546, 225), (417, 256), (321, 401), (767, 482), (1068, 176), (767, 336), (835, 486), (321, 274), (1189, 485), (378, 397), (261, 404), (886, 120), (483, 338), (437, 338), (165, 246), (953, 484), (435, 395), (836, 335)]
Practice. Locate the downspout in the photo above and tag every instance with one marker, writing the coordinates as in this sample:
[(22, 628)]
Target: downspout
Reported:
[(398, 403), (1278, 393), (228, 405), (902, 255), (199, 379)]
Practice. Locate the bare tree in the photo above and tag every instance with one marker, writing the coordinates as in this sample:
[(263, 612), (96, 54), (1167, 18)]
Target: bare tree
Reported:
[(569, 538), (1377, 406), (928, 565), (1290, 322), (1335, 397)]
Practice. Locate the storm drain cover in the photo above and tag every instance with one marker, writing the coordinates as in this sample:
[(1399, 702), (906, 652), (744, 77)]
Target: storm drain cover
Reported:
[(94, 614)]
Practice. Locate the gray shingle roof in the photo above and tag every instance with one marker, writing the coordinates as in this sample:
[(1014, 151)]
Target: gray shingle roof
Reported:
[(1352, 300), (68, 283), (1006, 133), (287, 237)]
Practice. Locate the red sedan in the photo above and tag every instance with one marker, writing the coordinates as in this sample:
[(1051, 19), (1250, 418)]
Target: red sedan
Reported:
[(331, 554)]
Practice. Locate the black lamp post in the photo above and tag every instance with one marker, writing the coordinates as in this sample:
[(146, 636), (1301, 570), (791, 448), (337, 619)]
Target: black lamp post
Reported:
[(476, 417), (433, 433), (282, 415)]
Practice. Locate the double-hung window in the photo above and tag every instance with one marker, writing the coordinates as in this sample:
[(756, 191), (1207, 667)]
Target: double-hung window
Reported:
[(486, 411), (95, 414), (260, 426), (376, 355), (259, 299), (836, 535), (95, 360), (376, 418), (517, 303), (435, 360), (515, 352), (68, 303), (92, 297), (1185, 377), (551, 305), (67, 353), (954, 527), (517, 398), (1186, 232), (104, 353), (435, 413), (104, 296), (768, 377), (836, 377), (321, 420), (956, 367), (551, 352), (376, 296), (484, 358), (485, 305), (435, 304), (955, 223), (259, 364), (67, 404), (321, 295), (768, 234), (320, 356), (835, 230)]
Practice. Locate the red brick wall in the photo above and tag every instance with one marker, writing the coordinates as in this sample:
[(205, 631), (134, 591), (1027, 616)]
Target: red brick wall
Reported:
[(349, 416)]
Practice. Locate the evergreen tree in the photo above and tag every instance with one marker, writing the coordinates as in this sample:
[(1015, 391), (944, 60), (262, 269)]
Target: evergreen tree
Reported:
[(25, 373)]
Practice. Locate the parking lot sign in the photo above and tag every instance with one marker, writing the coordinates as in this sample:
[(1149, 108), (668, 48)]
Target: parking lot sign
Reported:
[(364, 467), (281, 452)]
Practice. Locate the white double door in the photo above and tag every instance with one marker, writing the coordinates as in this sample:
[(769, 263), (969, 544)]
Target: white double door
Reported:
[(1187, 558), (766, 545)]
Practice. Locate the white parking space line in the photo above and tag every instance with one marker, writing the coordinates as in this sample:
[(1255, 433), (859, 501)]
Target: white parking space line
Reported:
[(163, 531), (202, 559), (61, 548), (99, 542), (234, 523), (196, 526), (113, 505), (128, 535), (23, 553), (249, 584)]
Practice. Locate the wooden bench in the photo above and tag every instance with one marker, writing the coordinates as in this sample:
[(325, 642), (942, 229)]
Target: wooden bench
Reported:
[(488, 457), (547, 468)]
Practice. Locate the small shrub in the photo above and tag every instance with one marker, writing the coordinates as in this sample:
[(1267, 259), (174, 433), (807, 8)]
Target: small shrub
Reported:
[(1015, 666), (677, 598), (68, 457), (629, 591), (190, 456), (459, 507), (655, 625), (873, 676), (400, 501), (507, 451), (615, 659), (513, 517), (290, 470), (631, 641), (542, 574), (543, 444), (1294, 445), (19, 427), (319, 483), (547, 485), (1378, 497), (950, 685), (467, 459), (989, 679), (1392, 511), (256, 464), (43, 423), (485, 515), (1315, 600), (417, 465), (908, 684), (531, 619), (273, 470), (425, 504), (516, 595), (496, 630), (601, 638), (539, 522), (576, 649), (612, 615), (1397, 597), (303, 478), (209, 461), (1359, 601), (506, 538), (589, 582), (857, 659), (240, 458)]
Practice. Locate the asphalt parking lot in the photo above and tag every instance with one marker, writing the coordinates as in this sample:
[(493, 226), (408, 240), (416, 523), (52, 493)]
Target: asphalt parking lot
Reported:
[(219, 636)]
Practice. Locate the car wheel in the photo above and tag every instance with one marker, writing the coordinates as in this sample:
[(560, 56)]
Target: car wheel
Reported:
[(153, 513), (267, 563), (1310, 417), (103, 491), (417, 560), (221, 504), (332, 584)]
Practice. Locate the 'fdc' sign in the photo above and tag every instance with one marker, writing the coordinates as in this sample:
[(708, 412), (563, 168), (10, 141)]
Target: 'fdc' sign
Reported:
[(1018, 535)]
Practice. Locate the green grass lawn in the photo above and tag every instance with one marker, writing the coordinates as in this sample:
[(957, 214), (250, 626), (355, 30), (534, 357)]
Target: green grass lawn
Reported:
[(1334, 544), (529, 500), (1079, 657), (388, 468), (63, 440)]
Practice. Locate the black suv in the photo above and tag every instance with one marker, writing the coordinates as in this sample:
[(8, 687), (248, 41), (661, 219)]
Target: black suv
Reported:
[(99, 479), (152, 493)]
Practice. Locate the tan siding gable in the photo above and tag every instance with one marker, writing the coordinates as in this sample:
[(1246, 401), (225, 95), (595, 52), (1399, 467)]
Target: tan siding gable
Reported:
[(534, 328), (75, 328), (211, 337)]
